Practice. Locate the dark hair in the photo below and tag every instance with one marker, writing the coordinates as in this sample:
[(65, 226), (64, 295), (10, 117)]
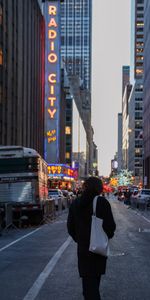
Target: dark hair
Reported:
[(93, 185)]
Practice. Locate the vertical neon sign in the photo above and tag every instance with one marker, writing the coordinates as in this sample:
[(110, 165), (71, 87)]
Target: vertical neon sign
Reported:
[(52, 81)]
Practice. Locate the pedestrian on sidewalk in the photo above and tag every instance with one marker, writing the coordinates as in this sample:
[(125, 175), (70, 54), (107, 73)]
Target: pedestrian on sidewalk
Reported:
[(91, 266)]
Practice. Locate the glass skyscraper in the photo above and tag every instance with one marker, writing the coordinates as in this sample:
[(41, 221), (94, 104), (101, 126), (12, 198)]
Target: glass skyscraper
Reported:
[(136, 97), (76, 30), (146, 97), (76, 16)]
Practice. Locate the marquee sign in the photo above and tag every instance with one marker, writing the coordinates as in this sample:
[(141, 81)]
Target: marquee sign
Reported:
[(61, 170), (52, 81)]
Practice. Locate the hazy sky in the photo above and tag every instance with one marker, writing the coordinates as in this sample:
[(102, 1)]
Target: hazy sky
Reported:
[(111, 50)]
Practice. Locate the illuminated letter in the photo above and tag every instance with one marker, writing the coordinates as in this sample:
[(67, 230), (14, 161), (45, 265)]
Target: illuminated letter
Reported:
[(52, 23), (52, 10), (52, 58), (52, 99), (52, 112), (52, 46), (50, 79), (52, 90), (52, 34)]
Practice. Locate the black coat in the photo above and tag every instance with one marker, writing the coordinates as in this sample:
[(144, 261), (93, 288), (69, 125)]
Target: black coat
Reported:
[(79, 226)]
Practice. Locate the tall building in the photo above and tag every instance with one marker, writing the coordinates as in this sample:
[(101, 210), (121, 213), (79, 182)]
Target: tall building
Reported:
[(125, 126), (125, 77), (137, 39), (136, 132), (119, 158), (135, 138), (22, 74), (122, 116), (76, 19), (146, 100)]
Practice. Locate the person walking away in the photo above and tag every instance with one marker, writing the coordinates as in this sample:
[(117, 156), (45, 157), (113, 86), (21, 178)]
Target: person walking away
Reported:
[(91, 266)]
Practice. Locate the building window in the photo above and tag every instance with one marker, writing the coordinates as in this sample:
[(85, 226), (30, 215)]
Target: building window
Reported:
[(138, 143), (140, 16), (0, 93), (68, 130), (140, 8), (138, 99), (139, 24), (137, 172), (67, 155), (139, 51), (139, 64), (68, 119), (140, 2), (1, 56), (139, 88), (140, 36), (138, 106), (139, 71), (1, 15), (139, 58), (139, 44)]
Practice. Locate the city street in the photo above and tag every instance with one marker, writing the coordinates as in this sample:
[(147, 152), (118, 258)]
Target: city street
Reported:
[(40, 263), (74, 121)]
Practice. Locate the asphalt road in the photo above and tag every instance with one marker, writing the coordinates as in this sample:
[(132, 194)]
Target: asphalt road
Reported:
[(40, 263)]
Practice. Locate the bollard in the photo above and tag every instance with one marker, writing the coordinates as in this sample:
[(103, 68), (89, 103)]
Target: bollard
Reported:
[(8, 215), (1, 219), (8, 208)]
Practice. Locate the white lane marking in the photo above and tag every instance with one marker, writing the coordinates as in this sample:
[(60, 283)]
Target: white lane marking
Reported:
[(117, 254), (37, 285), (136, 213), (18, 240), (144, 230), (146, 219)]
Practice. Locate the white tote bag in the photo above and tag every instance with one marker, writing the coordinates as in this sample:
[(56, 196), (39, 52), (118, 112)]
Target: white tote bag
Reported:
[(98, 237)]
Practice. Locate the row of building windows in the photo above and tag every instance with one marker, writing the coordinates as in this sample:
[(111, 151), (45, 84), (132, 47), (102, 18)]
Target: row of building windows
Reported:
[(139, 50), (139, 44), (139, 88), (140, 16), (137, 172), (139, 29), (138, 143), (139, 106), (140, 24), (140, 1), (140, 57), (140, 8), (138, 115), (1, 15), (138, 134), (139, 71), (139, 36), (1, 56)]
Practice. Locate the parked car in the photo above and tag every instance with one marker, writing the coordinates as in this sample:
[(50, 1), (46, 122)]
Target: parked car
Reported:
[(72, 196), (121, 195), (66, 194), (58, 196), (69, 196), (141, 197)]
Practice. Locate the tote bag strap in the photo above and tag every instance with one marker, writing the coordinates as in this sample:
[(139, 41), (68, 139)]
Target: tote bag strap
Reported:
[(94, 205)]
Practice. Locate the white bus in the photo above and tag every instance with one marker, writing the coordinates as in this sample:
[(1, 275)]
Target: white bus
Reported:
[(23, 181)]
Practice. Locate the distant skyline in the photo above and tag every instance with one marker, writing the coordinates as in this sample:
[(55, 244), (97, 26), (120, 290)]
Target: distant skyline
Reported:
[(110, 51)]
